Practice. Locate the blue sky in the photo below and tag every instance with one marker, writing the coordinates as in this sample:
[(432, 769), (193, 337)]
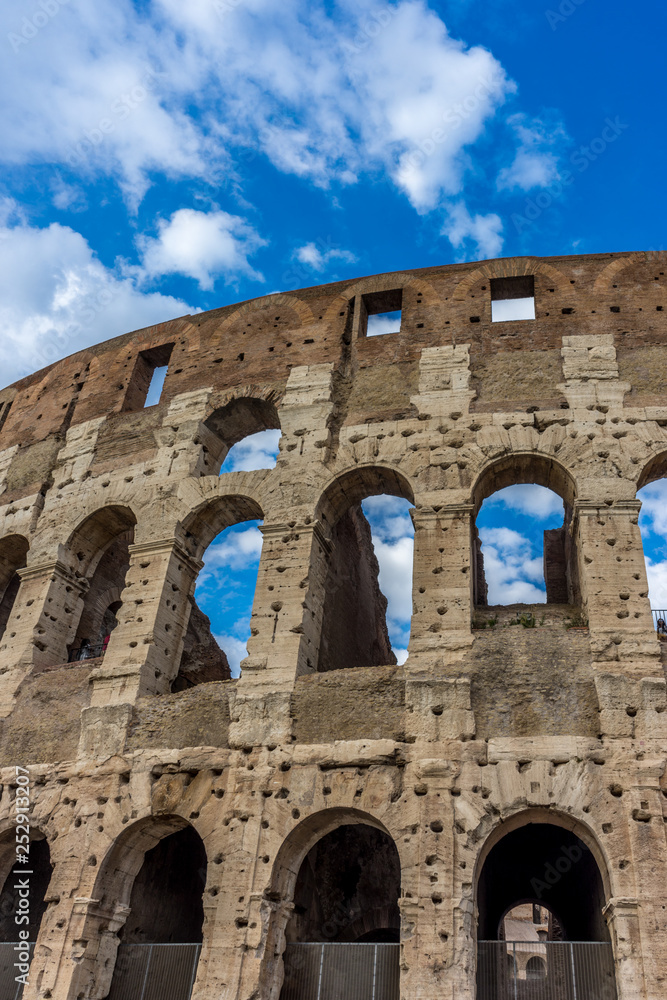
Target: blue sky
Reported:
[(161, 157)]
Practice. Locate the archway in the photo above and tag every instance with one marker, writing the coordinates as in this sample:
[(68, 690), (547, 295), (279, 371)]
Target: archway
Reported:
[(245, 435), (225, 535), (367, 514), (541, 926), (22, 906), (524, 550), (13, 555), (100, 554), (652, 491), (343, 933), (158, 871)]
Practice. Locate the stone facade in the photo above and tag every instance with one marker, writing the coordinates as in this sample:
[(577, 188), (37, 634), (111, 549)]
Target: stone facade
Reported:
[(109, 505)]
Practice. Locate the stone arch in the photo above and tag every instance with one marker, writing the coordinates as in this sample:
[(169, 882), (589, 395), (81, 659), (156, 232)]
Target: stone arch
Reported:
[(383, 283), (540, 818), (237, 415), (524, 467), (351, 486), (286, 868), (655, 468), (167, 904), (605, 279), (300, 313), (92, 536), (212, 516), (13, 557), (508, 267), (41, 866)]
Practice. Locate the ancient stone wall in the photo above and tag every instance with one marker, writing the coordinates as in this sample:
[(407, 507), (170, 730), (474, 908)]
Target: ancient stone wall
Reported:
[(483, 733)]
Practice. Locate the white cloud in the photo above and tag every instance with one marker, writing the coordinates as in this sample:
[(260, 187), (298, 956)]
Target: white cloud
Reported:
[(56, 297), (235, 651), (232, 550), (537, 502), (327, 92), (393, 541), (485, 231), (257, 451), (653, 515), (202, 245), (535, 163), (383, 323), (318, 258), (511, 570), (657, 583)]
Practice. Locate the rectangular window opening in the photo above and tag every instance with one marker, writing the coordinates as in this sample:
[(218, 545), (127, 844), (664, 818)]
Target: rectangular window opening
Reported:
[(150, 371), (380, 313), (512, 298)]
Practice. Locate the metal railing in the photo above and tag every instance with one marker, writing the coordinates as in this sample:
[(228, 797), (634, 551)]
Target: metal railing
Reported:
[(154, 972), (86, 652), (341, 972), (545, 970), (656, 615), (10, 952)]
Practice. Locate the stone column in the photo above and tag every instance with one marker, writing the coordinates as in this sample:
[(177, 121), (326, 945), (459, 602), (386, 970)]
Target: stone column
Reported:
[(145, 649), (442, 587), (285, 631), (41, 623), (615, 600), (622, 916)]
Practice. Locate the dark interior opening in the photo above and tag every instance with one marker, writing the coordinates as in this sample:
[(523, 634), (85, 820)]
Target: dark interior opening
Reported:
[(40, 867)]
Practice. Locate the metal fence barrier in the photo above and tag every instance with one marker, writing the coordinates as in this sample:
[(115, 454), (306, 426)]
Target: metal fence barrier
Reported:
[(9, 988), (155, 972), (658, 615), (545, 970), (341, 972)]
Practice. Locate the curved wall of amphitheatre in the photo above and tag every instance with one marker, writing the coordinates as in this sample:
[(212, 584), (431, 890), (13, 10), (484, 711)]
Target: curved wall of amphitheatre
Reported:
[(107, 504)]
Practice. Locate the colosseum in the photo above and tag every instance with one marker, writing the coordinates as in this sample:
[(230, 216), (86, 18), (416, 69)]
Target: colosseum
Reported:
[(486, 820)]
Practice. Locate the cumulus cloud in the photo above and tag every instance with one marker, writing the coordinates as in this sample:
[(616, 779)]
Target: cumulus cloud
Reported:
[(257, 451), (234, 549), (56, 297), (484, 232), (326, 91), (535, 163), (512, 572), (383, 323), (202, 245), (319, 257), (235, 649), (535, 501), (653, 515)]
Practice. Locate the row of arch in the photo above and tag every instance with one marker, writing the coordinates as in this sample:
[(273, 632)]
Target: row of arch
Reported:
[(337, 877), (98, 551)]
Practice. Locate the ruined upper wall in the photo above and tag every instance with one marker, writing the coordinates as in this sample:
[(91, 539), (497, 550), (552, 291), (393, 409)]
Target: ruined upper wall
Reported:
[(258, 342)]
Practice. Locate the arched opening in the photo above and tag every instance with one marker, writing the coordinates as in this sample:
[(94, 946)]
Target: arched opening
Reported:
[(653, 527), (369, 575), (524, 550), (541, 925), (163, 884), (22, 906), (13, 555), (100, 550), (342, 937), (225, 535), (245, 435)]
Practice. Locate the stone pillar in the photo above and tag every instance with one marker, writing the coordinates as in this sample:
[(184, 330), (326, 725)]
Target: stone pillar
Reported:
[(622, 916), (442, 588), (285, 631), (145, 649), (41, 623), (614, 589)]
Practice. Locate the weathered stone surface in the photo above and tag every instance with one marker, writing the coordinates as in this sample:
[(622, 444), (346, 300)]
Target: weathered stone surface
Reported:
[(142, 786)]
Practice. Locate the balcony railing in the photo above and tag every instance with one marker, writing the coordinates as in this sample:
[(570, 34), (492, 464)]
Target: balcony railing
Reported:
[(155, 972), (549, 970), (341, 972), (86, 652), (657, 615), (12, 952)]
